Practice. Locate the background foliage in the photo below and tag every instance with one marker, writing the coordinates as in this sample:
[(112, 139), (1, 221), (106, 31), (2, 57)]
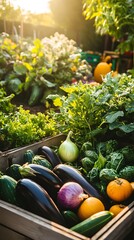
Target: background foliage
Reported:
[(114, 18), (38, 67)]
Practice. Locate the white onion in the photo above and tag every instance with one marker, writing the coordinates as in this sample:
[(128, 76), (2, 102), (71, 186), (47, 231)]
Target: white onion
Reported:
[(68, 150)]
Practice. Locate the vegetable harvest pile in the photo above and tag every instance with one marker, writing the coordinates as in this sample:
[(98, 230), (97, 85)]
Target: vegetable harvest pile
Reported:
[(82, 193)]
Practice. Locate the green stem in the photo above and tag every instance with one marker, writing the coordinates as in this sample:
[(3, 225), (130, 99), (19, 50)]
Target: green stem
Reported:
[(26, 171), (69, 135)]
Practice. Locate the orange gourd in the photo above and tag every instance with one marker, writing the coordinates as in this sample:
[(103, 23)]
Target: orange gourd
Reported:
[(116, 209), (90, 206), (102, 69), (119, 190)]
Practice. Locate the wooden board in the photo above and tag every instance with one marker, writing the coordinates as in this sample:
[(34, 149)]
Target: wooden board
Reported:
[(8, 234), (33, 226), (119, 227), (29, 225)]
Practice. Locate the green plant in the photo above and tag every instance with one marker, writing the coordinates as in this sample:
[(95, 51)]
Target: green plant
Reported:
[(20, 128), (38, 68), (5, 102), (114, 18), (97, 112)]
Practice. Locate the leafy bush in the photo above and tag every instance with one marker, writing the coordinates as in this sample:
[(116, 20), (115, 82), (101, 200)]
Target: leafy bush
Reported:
[(99, 112), (5, 102), (21, 128), (18, 127)]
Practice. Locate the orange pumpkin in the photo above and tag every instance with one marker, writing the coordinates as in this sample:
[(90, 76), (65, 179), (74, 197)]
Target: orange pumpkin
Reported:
[(132, 184), (102, 69), (119, 189), (116, 209)]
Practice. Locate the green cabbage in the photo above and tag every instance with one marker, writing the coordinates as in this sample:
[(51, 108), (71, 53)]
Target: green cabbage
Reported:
[(127, 173)]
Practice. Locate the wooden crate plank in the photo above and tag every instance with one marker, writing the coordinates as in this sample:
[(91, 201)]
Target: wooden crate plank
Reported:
[(119, 227), (4, 163), (16, 155), (8, 234), (34, 226)]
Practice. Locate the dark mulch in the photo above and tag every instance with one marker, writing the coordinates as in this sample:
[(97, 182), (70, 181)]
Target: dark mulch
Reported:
[(19, 100)]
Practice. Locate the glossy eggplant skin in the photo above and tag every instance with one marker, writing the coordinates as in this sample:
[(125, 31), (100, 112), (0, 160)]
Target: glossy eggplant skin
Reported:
[(68, 173), (38, 201), (46, 178), (50, 155)]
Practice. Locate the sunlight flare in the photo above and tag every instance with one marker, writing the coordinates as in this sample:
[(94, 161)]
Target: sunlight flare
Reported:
[(34, 6)]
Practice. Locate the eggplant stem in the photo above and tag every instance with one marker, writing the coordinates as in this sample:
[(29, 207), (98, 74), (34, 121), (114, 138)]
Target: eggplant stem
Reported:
[(26, 171)]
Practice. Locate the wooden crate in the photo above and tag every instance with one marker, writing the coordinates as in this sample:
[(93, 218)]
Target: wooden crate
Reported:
[(16, 155), (19, 224)]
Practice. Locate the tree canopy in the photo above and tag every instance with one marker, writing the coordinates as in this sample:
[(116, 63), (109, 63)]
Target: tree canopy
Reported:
[(68, 14), (113, 17)]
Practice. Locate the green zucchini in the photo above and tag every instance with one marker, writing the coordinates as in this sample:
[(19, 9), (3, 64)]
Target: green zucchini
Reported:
[(93, 224), (7, 189), (28, 156), (70, 217)]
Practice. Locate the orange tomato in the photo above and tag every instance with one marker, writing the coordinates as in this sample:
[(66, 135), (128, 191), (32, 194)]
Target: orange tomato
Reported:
[(119, 190), (116, 209), (90, 206)]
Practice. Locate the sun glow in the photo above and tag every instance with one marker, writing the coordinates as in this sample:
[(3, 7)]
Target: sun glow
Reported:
[(34, 6)]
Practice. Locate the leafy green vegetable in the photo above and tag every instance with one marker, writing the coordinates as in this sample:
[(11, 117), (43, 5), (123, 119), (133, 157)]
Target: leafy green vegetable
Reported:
[(36, 93), (19, 68), (116, 161), (100, 163), (128, 153), (15, 86), (93, 175), (113, 116), (108, 174), (86, 146), (107, 147), (127, 173), (87, 163), (91, 154)]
